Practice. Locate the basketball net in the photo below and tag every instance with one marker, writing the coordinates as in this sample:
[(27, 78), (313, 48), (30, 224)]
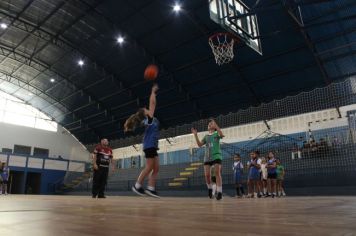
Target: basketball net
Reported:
[(222, 45)]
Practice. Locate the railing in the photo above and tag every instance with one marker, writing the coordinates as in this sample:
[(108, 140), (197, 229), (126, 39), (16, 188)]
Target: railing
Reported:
[(57, 185), (332, 165)]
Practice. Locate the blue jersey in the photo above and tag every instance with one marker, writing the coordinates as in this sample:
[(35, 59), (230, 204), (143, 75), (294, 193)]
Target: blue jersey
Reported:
[(254, 172), (237, 167), (151, 136), (5, 173), (270, 163)]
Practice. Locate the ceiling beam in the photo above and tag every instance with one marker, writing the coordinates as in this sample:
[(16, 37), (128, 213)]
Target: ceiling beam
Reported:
[(23, 84), (309, 43), (16, 17), (67, 46), (25, 59), (154, 59)]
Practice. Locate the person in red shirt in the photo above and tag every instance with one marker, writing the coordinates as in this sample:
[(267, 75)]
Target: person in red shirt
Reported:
[(102, 157)]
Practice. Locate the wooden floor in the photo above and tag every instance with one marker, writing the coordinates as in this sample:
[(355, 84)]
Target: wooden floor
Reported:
[(74, 215)]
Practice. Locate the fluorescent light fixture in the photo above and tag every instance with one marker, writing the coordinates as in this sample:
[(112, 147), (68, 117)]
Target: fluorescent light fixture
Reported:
[(177, 7), (81, 62), (120, 39), (3, 26)]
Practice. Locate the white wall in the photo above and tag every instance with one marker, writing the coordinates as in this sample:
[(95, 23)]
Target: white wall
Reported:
[(59, 143)]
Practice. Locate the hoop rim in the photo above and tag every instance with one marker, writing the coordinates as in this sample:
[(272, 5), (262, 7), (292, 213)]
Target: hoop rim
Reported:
[(236, 39)]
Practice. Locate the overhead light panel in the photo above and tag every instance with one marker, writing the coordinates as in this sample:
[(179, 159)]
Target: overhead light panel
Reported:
[(52, 80), (120, 39), (81, 62), (3, 25), (177, 7)]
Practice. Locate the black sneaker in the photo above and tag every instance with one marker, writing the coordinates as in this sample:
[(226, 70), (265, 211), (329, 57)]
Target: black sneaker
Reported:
[(219, 196), (102, 196), (139, 191), (151, 193), (93, 196), (210, 193)]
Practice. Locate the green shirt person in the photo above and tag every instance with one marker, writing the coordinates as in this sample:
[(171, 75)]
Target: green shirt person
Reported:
[(280, 172), (213, 155), (212, 147), (280, 178)]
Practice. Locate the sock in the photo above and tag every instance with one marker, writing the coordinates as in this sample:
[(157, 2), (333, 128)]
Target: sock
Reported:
[(209, 186), (138, 185), (242, 190), (274, 194), (219, 189), (264, 191), (261, 193), (151, 188)]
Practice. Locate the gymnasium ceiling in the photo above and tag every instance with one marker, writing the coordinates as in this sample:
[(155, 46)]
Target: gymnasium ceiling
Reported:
[(44, 40)]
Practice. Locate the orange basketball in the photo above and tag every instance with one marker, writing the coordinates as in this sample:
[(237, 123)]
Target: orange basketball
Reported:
[(151, 72)]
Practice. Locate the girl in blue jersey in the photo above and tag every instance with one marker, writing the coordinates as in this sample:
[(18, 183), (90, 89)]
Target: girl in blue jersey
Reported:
[(272, 174), (253, 166), (238, 167), (5, 173), (150, 145)]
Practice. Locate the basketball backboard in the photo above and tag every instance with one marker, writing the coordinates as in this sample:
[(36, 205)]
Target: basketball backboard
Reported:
[(235, 17)]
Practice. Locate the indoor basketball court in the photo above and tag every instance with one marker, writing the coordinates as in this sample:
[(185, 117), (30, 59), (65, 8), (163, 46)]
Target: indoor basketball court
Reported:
[(204, 117), (69, 215)]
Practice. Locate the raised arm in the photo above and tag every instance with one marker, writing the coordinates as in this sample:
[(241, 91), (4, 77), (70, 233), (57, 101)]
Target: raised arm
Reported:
[(195, 133), (152, 106), (216, 126)]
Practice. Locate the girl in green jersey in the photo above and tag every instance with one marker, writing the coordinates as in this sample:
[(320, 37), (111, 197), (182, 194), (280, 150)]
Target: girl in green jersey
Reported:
[(213, 156)]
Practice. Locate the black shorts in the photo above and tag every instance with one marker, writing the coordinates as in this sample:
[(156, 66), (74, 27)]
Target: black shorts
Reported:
[(150, 152), (211, 163), (272, 176), (3, 181)]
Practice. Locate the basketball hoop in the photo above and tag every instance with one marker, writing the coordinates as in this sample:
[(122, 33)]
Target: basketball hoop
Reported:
[(222, 45)]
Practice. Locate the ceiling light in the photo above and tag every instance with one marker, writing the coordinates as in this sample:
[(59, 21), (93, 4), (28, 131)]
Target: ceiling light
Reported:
[(3, 26), (120, 39), (52, 80), (81, 63), (177, 7), (30, 94)]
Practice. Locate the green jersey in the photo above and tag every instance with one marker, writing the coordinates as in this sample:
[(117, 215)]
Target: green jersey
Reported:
[(212, 147), (280, 172)]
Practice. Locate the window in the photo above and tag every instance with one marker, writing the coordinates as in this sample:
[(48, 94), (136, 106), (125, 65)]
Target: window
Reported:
[(23, 150), (6, 150), (40, 152), (14, 111)]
